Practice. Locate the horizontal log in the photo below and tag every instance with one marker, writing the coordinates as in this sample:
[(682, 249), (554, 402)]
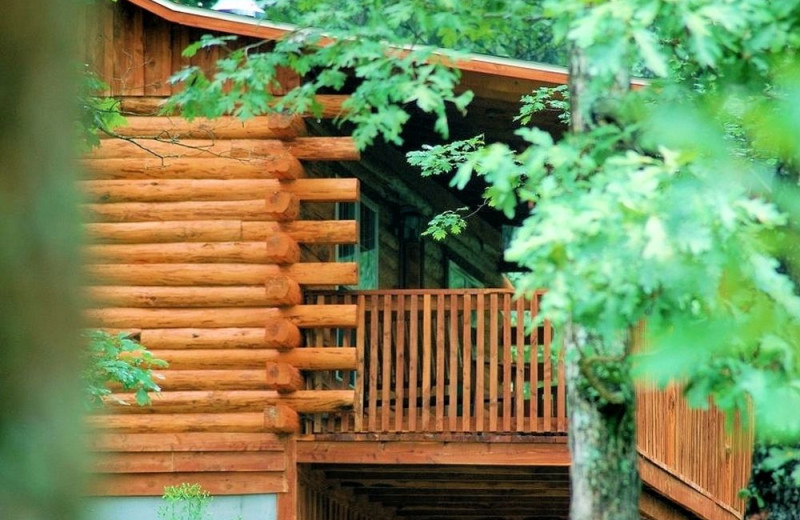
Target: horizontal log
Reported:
[(122, 296), (176, 380), (282, 204), (273, 126), (216, 483), (192, 338), (230, 401), (309, 273), (179, 423), (182, 442), (277, 249), (282, 249), (304, 316), (324, 149), (306, 358), (282, 334), (304, 148), (170, 462), (283, 290), (283, 377), (281, 418), (250, 210), (197, 190), (303, 231), (331, 105), (276, 166)]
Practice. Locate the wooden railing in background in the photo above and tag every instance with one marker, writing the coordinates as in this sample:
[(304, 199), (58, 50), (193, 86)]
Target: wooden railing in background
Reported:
[(445, 361), (694, 445)]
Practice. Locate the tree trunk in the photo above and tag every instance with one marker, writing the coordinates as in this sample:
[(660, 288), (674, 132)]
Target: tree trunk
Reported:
[(601, 411), (40, 415), (602, 435)]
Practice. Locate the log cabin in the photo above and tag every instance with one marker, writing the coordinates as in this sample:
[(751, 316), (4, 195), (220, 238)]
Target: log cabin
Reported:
[(325, 361)]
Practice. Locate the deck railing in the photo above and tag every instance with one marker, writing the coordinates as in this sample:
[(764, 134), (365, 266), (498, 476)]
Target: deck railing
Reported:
[(451, 362), (445, 361)]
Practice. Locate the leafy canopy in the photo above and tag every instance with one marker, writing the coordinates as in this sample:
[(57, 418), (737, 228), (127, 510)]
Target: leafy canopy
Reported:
[(673, 206)]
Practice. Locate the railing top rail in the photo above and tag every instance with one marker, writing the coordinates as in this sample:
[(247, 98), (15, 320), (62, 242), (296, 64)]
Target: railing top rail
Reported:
[(394, 292)]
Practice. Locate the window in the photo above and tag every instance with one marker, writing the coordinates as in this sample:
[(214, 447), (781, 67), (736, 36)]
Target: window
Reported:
[(365, 253), (459, 278)]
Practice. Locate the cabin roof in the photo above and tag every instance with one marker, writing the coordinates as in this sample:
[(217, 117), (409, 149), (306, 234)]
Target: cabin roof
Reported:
[(265, 29)]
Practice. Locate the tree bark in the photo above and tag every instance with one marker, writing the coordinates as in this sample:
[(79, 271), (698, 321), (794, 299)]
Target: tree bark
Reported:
[(602, 435), (40, 455), (600, 394)]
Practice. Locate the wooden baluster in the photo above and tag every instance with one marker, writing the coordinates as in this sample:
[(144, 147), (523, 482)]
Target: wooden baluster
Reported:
[(548, 379), (413, 350), (480, 350), (426, 361), (534, 341), (361, 370), (466, 356), (400, 365), (386, 371), (441, 354), (561, 401), (374, 349), (506, 316), (519, 379), (493, 361), (452, 409)]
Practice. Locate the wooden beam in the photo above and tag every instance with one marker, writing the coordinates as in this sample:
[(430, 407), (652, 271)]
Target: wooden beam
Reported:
[(433, 452), (273, 126), (281, 418), (279, 249), (216, 483), (307, 273), (196, 338), (183, 461), (277, 166), (304, 316), (281, 334), (230, 401), (247, 210), (282, 249), (150, 297), (177, 190), (311, 232), (689, 496), (191, 442), (303, 148), (283, 377), (306, 358), (282, 206)]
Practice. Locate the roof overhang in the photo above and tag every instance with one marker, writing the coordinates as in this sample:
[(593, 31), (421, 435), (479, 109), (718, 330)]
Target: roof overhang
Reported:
[(267, 30)]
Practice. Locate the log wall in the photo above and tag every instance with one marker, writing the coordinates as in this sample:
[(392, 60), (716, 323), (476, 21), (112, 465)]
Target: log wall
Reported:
[(197, 235)]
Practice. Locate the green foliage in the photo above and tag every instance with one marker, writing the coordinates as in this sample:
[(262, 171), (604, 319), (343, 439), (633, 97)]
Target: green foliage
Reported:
[(446, 224), (388, 81), (185, 502), (545, 98), (97, 114), (662, 213), (121, 360), (444, 158)]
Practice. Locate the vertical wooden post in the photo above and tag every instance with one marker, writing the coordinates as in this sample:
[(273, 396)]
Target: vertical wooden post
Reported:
[(287, 501)]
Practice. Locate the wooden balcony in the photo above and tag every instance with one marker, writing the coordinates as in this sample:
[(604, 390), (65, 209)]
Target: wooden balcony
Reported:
[(446, 361), (458, 366)]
